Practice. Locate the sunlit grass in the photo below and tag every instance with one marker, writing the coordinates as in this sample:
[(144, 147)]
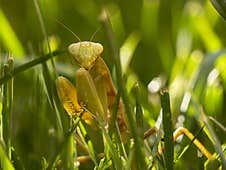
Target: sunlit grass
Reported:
[(9, 39), (174, 45)]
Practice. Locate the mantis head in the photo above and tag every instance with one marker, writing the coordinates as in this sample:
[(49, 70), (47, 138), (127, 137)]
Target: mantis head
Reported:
[(85, 53)]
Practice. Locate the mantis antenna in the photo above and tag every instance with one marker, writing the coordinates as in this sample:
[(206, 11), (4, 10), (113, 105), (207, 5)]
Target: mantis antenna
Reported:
[(67, 28), (94, 34)]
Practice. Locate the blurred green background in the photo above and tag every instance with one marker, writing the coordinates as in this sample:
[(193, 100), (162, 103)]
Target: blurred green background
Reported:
[(173, 43)]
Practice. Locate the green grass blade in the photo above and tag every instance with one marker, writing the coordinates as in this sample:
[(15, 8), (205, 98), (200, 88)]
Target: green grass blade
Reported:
[(7, 107), (89, 143), (220, 6), (49, 85), (139, 112), (113, 152), (217, 144), (9, 38), (114, 131), (203, 27), (168, 129), (1, 111), (127, 50), (5, 162), (186, 147), (130, 160), (67, 138), (223, 128), (205, 67), (165, 39), (140, 158), (28, 65)]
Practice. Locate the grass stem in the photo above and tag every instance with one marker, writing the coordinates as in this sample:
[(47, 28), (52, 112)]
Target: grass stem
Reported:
[(140, 158), (168, 129), (28, 65)]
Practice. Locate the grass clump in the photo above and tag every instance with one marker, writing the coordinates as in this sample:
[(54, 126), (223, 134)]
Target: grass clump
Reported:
[(160, 45)]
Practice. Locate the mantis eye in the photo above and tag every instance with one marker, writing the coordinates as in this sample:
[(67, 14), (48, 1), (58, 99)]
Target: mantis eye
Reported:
[(85, 53)]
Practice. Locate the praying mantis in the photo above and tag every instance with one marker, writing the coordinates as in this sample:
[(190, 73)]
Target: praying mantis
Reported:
[(94, 87), (95, 93)]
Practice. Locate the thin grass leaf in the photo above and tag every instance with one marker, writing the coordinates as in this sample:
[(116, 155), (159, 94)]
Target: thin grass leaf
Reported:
[(212, 164), (68, 155), (220, 6), (1, 111), (157, 141), (130, 160), (217, 144), (168, 129), (165, 39), (10, 107), (218, 124), (28, 65), (68, 135), (44, 163), (113, 152), (115, 51), (51, 94), (139, 112), (43, 29), (114, 130), (87, 140), (5, 162), (203, 27), (127, 50), (186, 147), (17, 162), (9, 38), (40, 18), (69, 150), (7, 107), (205, 67), (114, 116), (104, 164)]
